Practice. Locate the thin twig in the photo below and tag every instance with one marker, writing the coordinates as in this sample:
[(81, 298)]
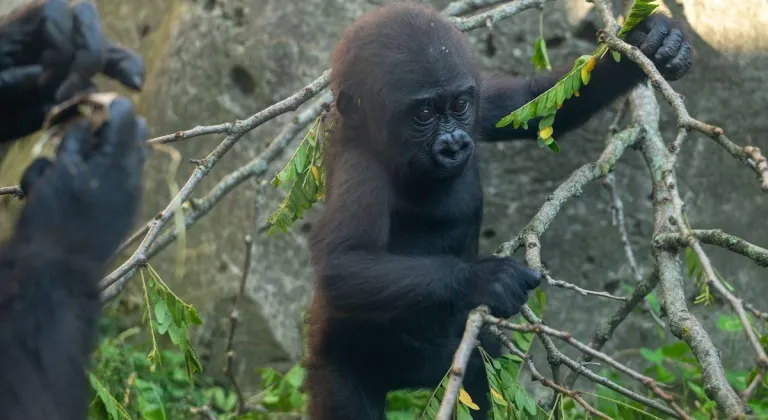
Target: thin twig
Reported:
[(239, 129), (539, 377), (619, 220), (584, 292), (234, 315), (460, 361), (682, 323), (648, 382), (14, 190), (463, 7), (605, 330), (719, 238), (201, 207), (498, 13), (572, 187), (748, 155)]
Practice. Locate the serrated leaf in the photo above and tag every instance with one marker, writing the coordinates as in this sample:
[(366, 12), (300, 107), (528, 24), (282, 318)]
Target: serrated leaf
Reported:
[(540, 58)]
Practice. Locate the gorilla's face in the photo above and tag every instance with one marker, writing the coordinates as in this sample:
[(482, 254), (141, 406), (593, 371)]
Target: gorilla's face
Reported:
[(432, 129)]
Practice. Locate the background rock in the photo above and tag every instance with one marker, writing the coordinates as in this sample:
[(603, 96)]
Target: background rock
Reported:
[(216, 60)]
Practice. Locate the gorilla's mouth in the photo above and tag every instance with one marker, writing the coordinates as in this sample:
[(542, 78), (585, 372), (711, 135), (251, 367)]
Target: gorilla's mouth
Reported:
[(452, 157)]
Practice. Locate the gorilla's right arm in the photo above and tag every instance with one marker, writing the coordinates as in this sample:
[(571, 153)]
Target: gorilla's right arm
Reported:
[(361, 279), (79, 208), (658, 37)]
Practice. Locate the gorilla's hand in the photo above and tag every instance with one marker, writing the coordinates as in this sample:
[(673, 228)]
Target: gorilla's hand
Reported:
[(85, 202), (503, 285), (48, 52), (659, 38)]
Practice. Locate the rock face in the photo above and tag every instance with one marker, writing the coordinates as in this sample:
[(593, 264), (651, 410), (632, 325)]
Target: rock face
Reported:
[(217, 60)]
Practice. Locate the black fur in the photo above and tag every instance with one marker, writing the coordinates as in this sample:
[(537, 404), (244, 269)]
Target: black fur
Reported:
[(78, 210), (396, 250)]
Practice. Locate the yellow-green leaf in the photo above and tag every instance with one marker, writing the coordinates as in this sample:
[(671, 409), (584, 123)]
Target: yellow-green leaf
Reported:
[(467, 400), (540, 59), (640, 10)]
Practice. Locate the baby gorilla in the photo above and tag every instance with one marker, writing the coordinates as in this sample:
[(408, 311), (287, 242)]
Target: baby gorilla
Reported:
[(395, 252)]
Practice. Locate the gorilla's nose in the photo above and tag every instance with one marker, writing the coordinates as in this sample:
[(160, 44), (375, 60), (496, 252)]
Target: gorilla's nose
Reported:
[(452, 145)]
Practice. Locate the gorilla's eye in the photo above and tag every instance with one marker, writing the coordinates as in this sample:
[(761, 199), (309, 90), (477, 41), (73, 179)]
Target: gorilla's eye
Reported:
[(425, 115), (460, 106)]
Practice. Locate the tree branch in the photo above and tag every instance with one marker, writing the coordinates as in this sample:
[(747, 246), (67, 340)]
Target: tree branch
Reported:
[(14, 190), (572, 187), (719, 238)]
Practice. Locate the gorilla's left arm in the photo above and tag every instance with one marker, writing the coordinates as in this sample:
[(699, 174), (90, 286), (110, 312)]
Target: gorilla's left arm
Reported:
[(658, 37), (78, 210)]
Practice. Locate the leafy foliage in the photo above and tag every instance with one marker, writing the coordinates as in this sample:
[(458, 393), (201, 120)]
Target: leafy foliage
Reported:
[(696, 271), (546, 105), (304, 177), (172, 317)]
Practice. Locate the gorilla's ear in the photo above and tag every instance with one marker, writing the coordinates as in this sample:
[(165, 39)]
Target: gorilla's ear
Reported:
[(348, 106)]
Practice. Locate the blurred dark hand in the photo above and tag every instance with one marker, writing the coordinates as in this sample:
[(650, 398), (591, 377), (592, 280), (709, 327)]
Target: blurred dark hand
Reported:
[(49, 51), (86, 200)]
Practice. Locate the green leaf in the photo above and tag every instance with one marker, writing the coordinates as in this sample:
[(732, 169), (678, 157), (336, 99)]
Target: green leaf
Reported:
[(676, 350), (653, 356), (729, 323), (111, 405), (161, 312), (546, 121), (553, 145), (616, 56), (540, 59), (640, 10)]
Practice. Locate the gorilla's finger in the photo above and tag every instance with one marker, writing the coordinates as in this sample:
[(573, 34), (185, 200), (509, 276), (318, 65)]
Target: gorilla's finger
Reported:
[(680, 65), (142, 130), (118, 135), (89, 50), (669, 47), (124, 65), (660, 29), (17, 79), (75, 142), (33, 173), (58, 22)]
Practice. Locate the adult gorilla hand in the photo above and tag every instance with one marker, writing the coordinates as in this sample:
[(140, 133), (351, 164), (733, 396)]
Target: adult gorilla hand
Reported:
[(50, 51), (85, 201)]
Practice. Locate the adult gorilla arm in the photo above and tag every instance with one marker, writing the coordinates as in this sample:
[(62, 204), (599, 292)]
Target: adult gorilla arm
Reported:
[(48, 52), (79, 208), (360, 278), (657, 37)]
